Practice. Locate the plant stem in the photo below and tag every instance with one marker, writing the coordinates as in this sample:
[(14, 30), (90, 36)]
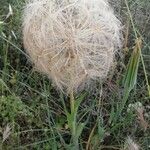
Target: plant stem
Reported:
[(71, 101), (73, 124), (125, 98)]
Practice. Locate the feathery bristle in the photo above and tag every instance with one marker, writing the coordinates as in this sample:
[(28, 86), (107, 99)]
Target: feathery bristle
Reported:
[(71, 40)]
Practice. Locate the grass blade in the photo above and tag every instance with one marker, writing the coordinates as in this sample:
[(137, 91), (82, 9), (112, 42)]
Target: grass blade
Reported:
[(130, 77)]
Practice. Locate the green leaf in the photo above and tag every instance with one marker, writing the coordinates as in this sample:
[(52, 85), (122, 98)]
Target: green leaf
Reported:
[(130, 77), (78, 102), (79, 129)]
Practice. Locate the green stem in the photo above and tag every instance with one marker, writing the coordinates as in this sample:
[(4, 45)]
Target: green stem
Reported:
[(124, 101), (5, 64), (73, 124), (72, 101)]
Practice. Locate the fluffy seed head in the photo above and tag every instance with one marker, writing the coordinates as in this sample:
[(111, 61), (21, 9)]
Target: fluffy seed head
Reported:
[(71, 41), (131, 145)]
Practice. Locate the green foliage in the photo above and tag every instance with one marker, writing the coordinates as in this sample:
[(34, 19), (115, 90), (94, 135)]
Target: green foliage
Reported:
[(12, 109), (130, 78), (1, 26), (42, 118), (75, 127)]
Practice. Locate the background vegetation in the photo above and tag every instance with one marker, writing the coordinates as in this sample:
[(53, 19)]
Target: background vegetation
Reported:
[(33, 113)]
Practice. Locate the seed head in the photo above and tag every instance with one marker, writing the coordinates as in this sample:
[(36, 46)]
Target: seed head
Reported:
[(130, 145), (71, 41)]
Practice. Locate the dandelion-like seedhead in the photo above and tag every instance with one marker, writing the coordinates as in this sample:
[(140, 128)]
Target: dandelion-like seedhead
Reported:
[(72, 41), (130, 145)]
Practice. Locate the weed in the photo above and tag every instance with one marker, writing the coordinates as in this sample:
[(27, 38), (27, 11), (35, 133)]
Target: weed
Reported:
[(33, 115)]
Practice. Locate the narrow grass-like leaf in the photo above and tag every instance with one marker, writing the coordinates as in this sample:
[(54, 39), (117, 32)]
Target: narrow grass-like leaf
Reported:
[(79, 129), (3, 84), (141, 56), (130, 77)]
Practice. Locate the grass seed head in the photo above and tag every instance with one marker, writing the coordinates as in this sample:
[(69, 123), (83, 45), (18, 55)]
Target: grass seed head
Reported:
[(72, 41)]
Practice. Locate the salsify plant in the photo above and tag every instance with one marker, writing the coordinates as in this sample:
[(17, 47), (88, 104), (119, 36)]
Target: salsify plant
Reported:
[(72, 41)]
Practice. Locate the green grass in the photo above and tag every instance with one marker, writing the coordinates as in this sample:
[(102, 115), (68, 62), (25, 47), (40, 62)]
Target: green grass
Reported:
[(34, 115)]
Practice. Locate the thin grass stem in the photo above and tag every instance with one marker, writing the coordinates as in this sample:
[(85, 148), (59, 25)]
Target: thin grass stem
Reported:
[(136, 36)]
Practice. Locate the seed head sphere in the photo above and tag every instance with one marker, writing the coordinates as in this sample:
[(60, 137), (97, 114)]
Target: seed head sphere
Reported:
[(71, 41)]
